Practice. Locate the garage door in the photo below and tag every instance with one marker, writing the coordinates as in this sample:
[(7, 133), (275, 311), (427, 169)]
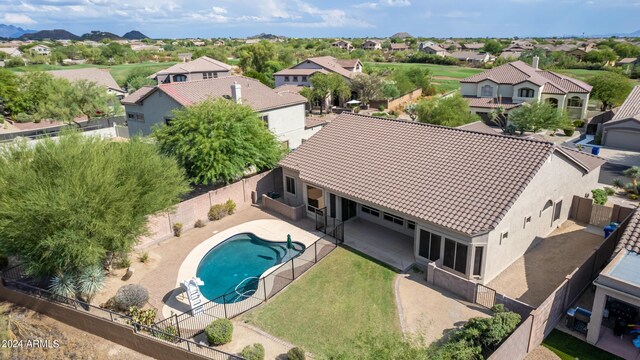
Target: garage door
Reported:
[(623, 139)]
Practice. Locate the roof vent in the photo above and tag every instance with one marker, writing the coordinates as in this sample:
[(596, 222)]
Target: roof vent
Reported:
[(236, 92)]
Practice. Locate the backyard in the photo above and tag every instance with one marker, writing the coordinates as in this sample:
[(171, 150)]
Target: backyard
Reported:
[(341, 298), (568, 347)]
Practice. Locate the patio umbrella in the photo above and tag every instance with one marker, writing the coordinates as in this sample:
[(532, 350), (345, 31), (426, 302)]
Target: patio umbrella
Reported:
[(353, 102), (289, 242)]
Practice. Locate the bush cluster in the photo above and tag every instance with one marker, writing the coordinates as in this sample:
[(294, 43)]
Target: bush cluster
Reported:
[(296, 353), (253, 352), (218, 211), (132, 295), (600, 196), (199, 223), (219, 332)]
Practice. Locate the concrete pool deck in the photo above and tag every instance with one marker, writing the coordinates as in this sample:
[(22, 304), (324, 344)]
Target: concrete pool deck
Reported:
[(268, 229)]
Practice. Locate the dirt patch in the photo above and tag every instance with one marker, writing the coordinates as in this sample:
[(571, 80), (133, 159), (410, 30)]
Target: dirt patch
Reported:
[(59, 341), (542, 353)]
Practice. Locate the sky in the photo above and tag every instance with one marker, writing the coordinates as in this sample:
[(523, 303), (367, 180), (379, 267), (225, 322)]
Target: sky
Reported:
[(327, 18)]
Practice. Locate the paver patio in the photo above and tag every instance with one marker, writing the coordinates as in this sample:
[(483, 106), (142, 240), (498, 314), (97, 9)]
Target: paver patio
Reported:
[(535, 275)]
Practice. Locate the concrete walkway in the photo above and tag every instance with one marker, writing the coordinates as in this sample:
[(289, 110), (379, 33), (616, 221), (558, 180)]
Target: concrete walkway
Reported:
[(432, 312)]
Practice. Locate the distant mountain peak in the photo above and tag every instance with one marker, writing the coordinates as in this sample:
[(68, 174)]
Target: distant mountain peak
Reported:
[(266, 36), (401, 35), (96, 35), (11, 31), (134, 35), (55, 34)]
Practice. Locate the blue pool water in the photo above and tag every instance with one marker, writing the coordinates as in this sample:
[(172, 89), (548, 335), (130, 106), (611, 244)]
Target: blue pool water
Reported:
[(241, 258)]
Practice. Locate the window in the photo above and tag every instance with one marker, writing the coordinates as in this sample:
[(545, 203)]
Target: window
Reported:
[(207, 75), (135, 117), (526, 92), (285, 144), (477, 261), (574, 102), (547, 205), (552, 101), (265, 118), (371, 211), (504, 236), (527, 219), (179, 78), (455, 256), (429, 245), (215, 74), (290, 184), (304, 79), (487, 91), (557, 210), (315, 198), (411, 225), (286, 79), (394, 219), (295, 79)]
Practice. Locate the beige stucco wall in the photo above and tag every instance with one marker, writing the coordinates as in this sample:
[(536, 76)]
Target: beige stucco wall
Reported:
[(155, 108), (557, 180), (526, 84)]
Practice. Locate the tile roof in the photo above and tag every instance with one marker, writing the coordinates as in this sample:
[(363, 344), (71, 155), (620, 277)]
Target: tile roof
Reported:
[(518, 71), (201, 64), (462, 180), (478, 126), (289, 88), (491, 103), (300, 71), (585, 160), (630, 108), (473, 46), (100, 76), (400, 46), (313, 122), (630, 239), (348, 63), (466, 55), (329, 63), (255, 94), (603, 117)]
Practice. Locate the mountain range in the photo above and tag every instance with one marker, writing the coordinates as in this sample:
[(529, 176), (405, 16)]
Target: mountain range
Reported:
[(10, 31), (14, 32)]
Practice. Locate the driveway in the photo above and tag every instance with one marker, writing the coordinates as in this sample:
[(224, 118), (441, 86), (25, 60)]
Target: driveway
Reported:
[(610, 171), (430, 311), (621, 157), (536, 274)]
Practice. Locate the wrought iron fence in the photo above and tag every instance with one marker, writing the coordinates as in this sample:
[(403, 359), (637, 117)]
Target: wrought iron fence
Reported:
[(255, 292)]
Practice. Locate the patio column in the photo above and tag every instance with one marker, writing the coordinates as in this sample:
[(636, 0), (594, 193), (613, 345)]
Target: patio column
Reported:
[(596, 316)]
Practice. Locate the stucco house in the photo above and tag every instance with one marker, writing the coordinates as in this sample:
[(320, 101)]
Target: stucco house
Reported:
[(371, 44), (471, 57), (470, 202), (282, 111), (512, 84), (473, 46), (301, 73), (40, 50), (434, 50), (398, 47), (100, 76), (342, 44), (201, 68), (11, 51), (623, 130)]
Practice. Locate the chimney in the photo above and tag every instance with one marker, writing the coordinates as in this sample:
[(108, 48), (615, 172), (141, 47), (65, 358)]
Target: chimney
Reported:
[(535, 62), (236, 92)]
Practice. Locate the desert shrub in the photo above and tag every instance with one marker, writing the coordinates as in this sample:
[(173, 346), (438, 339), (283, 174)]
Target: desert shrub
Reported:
[(23, 118), (253, 352), (4, 262), (169, 333), (122, 262), (217, 212), (143, 317), (381, 108), (599, 196), (598, 138), (230, 206), (618, 183), (131, 295), (144, 257), (633, 197), (219, 332), (569, 131), (177, 229), (383, 114), (356, 109), (609, 191), (199, 223), (578, 123), (498, 308), (296, 353), (63, 285)]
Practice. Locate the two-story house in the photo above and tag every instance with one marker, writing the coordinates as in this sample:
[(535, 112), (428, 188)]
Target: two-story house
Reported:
[(434, 50), (282, 111), (201, 68), (342, 44), (371, 44), (510, 85), (301, 73), (40, 50)]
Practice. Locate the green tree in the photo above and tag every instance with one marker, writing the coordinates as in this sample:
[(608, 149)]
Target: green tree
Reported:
[(493, 47), (390, 90), (538, 116), (75, 200), (139, 77), (600, 56), (498, 116), (411, 110), (35, 88), (368, 87), (218, 140), (450, 111), (256, 56), (8, 88), (610, 88)]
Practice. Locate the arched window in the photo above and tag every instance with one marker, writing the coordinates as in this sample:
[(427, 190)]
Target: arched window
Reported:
[(486, 91), (526, 92), (547, 205), (574, 102), (552, 101), (179, 78)]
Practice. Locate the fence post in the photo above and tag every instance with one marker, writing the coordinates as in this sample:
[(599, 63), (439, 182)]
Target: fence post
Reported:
[(111, 315), (224, 305), (177, 325), (315, 251), (293, 271), (188, 346)]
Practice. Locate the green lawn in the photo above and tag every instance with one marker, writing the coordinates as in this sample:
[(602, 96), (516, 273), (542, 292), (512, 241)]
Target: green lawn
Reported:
[(325, 310), (458, 72), (568, 347), (443, 86)]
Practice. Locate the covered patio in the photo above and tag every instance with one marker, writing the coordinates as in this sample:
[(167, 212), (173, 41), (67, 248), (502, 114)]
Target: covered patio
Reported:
[(379, 242)]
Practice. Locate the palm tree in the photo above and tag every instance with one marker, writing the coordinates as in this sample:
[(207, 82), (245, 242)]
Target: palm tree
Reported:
[(497, 116), (633, 173)]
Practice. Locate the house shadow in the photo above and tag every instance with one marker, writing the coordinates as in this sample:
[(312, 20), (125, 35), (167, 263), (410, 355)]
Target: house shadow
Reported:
[(176, 301)]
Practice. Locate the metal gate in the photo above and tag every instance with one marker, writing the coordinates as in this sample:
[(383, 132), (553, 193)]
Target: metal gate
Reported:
[(485, 296)]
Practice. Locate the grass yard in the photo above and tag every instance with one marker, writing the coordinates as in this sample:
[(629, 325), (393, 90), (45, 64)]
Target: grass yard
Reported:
[(324, 311), (458, 72), (443, 86), (568, 347)]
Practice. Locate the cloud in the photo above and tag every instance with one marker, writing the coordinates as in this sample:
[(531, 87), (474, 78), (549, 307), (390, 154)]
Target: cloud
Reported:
[(218, 10), (382, 3), (18, 19)]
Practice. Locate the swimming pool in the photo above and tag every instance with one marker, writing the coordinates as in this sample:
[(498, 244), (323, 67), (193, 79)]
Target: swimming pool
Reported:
[(233, 267)]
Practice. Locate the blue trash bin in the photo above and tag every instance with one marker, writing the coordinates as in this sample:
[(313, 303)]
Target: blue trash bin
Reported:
[(609, 229), (595, 150)]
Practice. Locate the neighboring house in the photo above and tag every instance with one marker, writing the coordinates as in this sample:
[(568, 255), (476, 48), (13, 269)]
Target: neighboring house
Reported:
[(398, 47), (623, 130), (471, 57), (617, 288), (628, 63), (342, 44), (512, 84), (40, 50), (201, 68), (434, 50), (471, 202), (452, 44), (282, 111), (100, 76), (218, 43), (11, 51), (372, 45), (145, 47), (510, 54), (473, 46), (425, 44), (184, 57), (300, 73), (199, 43), (594, 124)]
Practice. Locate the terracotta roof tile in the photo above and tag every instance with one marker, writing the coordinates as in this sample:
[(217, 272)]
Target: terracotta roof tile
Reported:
[(100, 76), (630, 108), (462, 180), (201, 64), (630, 239), (478, 126), (491, 103)]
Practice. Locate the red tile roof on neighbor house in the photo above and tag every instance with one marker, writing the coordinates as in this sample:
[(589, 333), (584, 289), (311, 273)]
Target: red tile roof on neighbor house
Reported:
[(201, 64), (630, 108), (492, 103), (253, 93), (100, 76), (630, 239), (517, 72), (329, 63), (459, 179)]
